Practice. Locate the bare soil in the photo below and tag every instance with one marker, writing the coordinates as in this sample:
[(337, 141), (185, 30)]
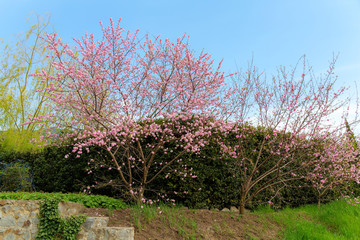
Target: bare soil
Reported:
[(193, 224)]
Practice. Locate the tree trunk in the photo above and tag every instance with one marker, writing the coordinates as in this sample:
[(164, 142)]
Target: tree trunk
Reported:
[(137, 196), (242, 205), (140, 196)]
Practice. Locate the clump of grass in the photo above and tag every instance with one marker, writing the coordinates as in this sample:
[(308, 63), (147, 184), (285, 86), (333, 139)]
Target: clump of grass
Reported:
[(335, 220), (171, 217), (143, 214), (187, 228), (223, 228)]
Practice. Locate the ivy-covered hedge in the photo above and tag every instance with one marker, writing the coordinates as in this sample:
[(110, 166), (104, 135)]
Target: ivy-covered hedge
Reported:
[(216, 184)]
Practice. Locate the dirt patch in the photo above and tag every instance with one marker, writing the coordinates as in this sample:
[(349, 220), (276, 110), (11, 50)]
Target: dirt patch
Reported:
[(192, 224)]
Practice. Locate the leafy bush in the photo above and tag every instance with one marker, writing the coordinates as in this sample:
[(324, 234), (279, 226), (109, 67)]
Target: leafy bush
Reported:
[(55, 173), (16, 176), (89, 201)]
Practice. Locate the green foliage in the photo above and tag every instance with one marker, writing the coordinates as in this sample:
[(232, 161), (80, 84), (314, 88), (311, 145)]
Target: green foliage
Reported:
[(351, 135), (53, 226), (89, 201), (21, 93), (13, 140), (16, 176)]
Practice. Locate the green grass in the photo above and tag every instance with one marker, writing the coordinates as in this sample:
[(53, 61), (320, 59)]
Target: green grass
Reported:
[(335, 220), (89, 201), (143, 214)]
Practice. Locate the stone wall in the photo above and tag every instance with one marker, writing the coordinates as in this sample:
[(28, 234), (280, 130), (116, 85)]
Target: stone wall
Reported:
[(18, 221)]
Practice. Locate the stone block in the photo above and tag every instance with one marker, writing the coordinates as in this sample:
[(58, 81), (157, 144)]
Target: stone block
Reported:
[(119, 233), (68, 209), (95, 222)]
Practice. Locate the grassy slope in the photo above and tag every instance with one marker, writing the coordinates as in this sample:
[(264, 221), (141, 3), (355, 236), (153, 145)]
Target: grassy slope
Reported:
[(336, 220)]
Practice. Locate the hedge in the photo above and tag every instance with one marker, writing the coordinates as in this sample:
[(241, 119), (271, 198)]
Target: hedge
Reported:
[(216, 185)]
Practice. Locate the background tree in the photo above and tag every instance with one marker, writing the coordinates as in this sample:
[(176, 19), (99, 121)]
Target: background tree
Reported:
[(20, 99), (291, 110), (350, 135)]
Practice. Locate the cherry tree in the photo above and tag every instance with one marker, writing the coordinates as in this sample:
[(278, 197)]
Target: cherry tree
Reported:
[(286, 112), (119, 92), (336, 164)]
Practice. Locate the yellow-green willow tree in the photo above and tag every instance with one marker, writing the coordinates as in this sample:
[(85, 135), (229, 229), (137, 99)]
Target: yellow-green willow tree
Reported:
[(21, 96)]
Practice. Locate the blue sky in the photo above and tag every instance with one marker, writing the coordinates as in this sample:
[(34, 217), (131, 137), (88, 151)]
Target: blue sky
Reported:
[(276, 32)]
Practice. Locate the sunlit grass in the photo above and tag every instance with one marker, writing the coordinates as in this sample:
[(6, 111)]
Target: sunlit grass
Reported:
[(335, 220)]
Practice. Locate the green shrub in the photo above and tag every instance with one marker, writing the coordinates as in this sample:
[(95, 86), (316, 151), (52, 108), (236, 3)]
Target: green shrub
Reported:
[(16, 176), (89, 201)]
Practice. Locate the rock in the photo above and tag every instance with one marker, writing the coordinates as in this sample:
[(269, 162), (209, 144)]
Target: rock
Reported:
[(21, 221), (233, 209), (225, 210), (6, 209), (7, 221), (10, 237)]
